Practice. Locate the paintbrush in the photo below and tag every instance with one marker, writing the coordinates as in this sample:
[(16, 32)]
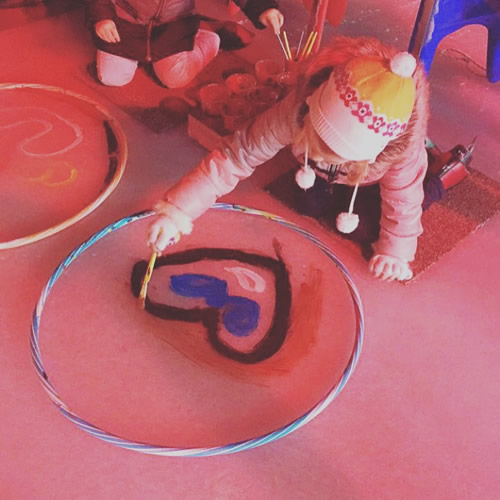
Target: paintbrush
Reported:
[(287, 47), (297, 52), (282, 47), (311, 45), (149, 272), (146, 280)]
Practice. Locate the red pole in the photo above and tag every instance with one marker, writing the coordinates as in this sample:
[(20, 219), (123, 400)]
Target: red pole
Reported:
[(319, 14)]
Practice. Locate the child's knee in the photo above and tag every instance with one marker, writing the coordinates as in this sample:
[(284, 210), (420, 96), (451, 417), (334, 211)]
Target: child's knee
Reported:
[(115, 71), (207, 42), (180, 69)]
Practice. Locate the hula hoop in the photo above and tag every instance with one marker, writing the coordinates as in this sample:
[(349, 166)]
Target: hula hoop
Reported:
[(194, 452), (122, 153)]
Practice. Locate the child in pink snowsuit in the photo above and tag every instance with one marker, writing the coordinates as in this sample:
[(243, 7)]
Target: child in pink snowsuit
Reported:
[(360, 110), (163, 32)]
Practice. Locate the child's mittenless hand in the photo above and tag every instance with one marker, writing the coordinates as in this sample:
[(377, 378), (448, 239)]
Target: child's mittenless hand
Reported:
[(106, 29), (389, 268), (161, 233), (168, 226), (272, 18)]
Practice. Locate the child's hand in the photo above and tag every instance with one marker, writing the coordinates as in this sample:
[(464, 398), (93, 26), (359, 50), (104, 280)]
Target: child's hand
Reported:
[(161, 233), (389, 268), (106, 29), (272, 18)]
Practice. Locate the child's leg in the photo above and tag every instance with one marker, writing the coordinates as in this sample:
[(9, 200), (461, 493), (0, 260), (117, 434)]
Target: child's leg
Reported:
[(368, 206), (114, 70), (433, 190), (178, 70), (326, 202)]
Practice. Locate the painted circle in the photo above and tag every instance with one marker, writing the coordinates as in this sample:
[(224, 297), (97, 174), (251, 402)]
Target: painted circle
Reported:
[(72, 398), (62, 155)]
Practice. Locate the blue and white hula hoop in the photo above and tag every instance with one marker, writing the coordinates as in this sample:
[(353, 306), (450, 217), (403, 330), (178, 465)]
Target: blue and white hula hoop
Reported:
[(194, 452)]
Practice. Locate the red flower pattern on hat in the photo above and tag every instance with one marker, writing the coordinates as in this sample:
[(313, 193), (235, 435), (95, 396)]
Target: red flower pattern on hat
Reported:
[(349, 96), (377, 124), (392, 129), (363, 111)]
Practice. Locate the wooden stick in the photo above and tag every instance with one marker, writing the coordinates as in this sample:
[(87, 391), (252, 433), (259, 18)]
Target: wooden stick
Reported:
[(287, 46)]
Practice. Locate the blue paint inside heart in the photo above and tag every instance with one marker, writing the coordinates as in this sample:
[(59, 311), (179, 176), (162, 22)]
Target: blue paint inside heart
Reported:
[(240, 315)]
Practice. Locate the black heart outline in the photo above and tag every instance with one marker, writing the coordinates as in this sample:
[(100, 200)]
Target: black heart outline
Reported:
[(210, 316)]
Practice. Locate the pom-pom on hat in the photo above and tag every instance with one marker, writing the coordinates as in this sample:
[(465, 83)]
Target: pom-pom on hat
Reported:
[(364, 105), (305, 176)]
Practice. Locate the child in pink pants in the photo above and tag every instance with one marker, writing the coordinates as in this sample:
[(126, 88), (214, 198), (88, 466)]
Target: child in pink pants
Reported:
[(162, 32), (173, 71)]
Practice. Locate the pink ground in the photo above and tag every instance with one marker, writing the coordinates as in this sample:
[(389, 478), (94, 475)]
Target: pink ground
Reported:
[(418, 419)]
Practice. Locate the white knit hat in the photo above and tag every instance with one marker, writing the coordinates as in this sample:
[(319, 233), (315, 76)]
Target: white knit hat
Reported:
[(364, 105)]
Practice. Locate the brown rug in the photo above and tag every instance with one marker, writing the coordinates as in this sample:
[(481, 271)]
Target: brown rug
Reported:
[(466, 208)]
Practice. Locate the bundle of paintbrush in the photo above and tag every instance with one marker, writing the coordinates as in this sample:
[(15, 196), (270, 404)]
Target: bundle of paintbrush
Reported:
[(299, 55)]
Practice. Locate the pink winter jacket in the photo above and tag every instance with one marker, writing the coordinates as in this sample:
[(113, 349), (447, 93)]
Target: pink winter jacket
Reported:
[(400, 168)]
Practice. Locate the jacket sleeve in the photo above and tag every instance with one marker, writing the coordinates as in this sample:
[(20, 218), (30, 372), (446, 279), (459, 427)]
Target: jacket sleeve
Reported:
[(221, 170), (401, 190), (98, 10), (254, 8)]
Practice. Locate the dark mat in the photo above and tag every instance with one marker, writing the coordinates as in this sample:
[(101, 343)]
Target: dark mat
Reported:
[(156, 106), (51, 6), (466, 208), (15, 13)]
